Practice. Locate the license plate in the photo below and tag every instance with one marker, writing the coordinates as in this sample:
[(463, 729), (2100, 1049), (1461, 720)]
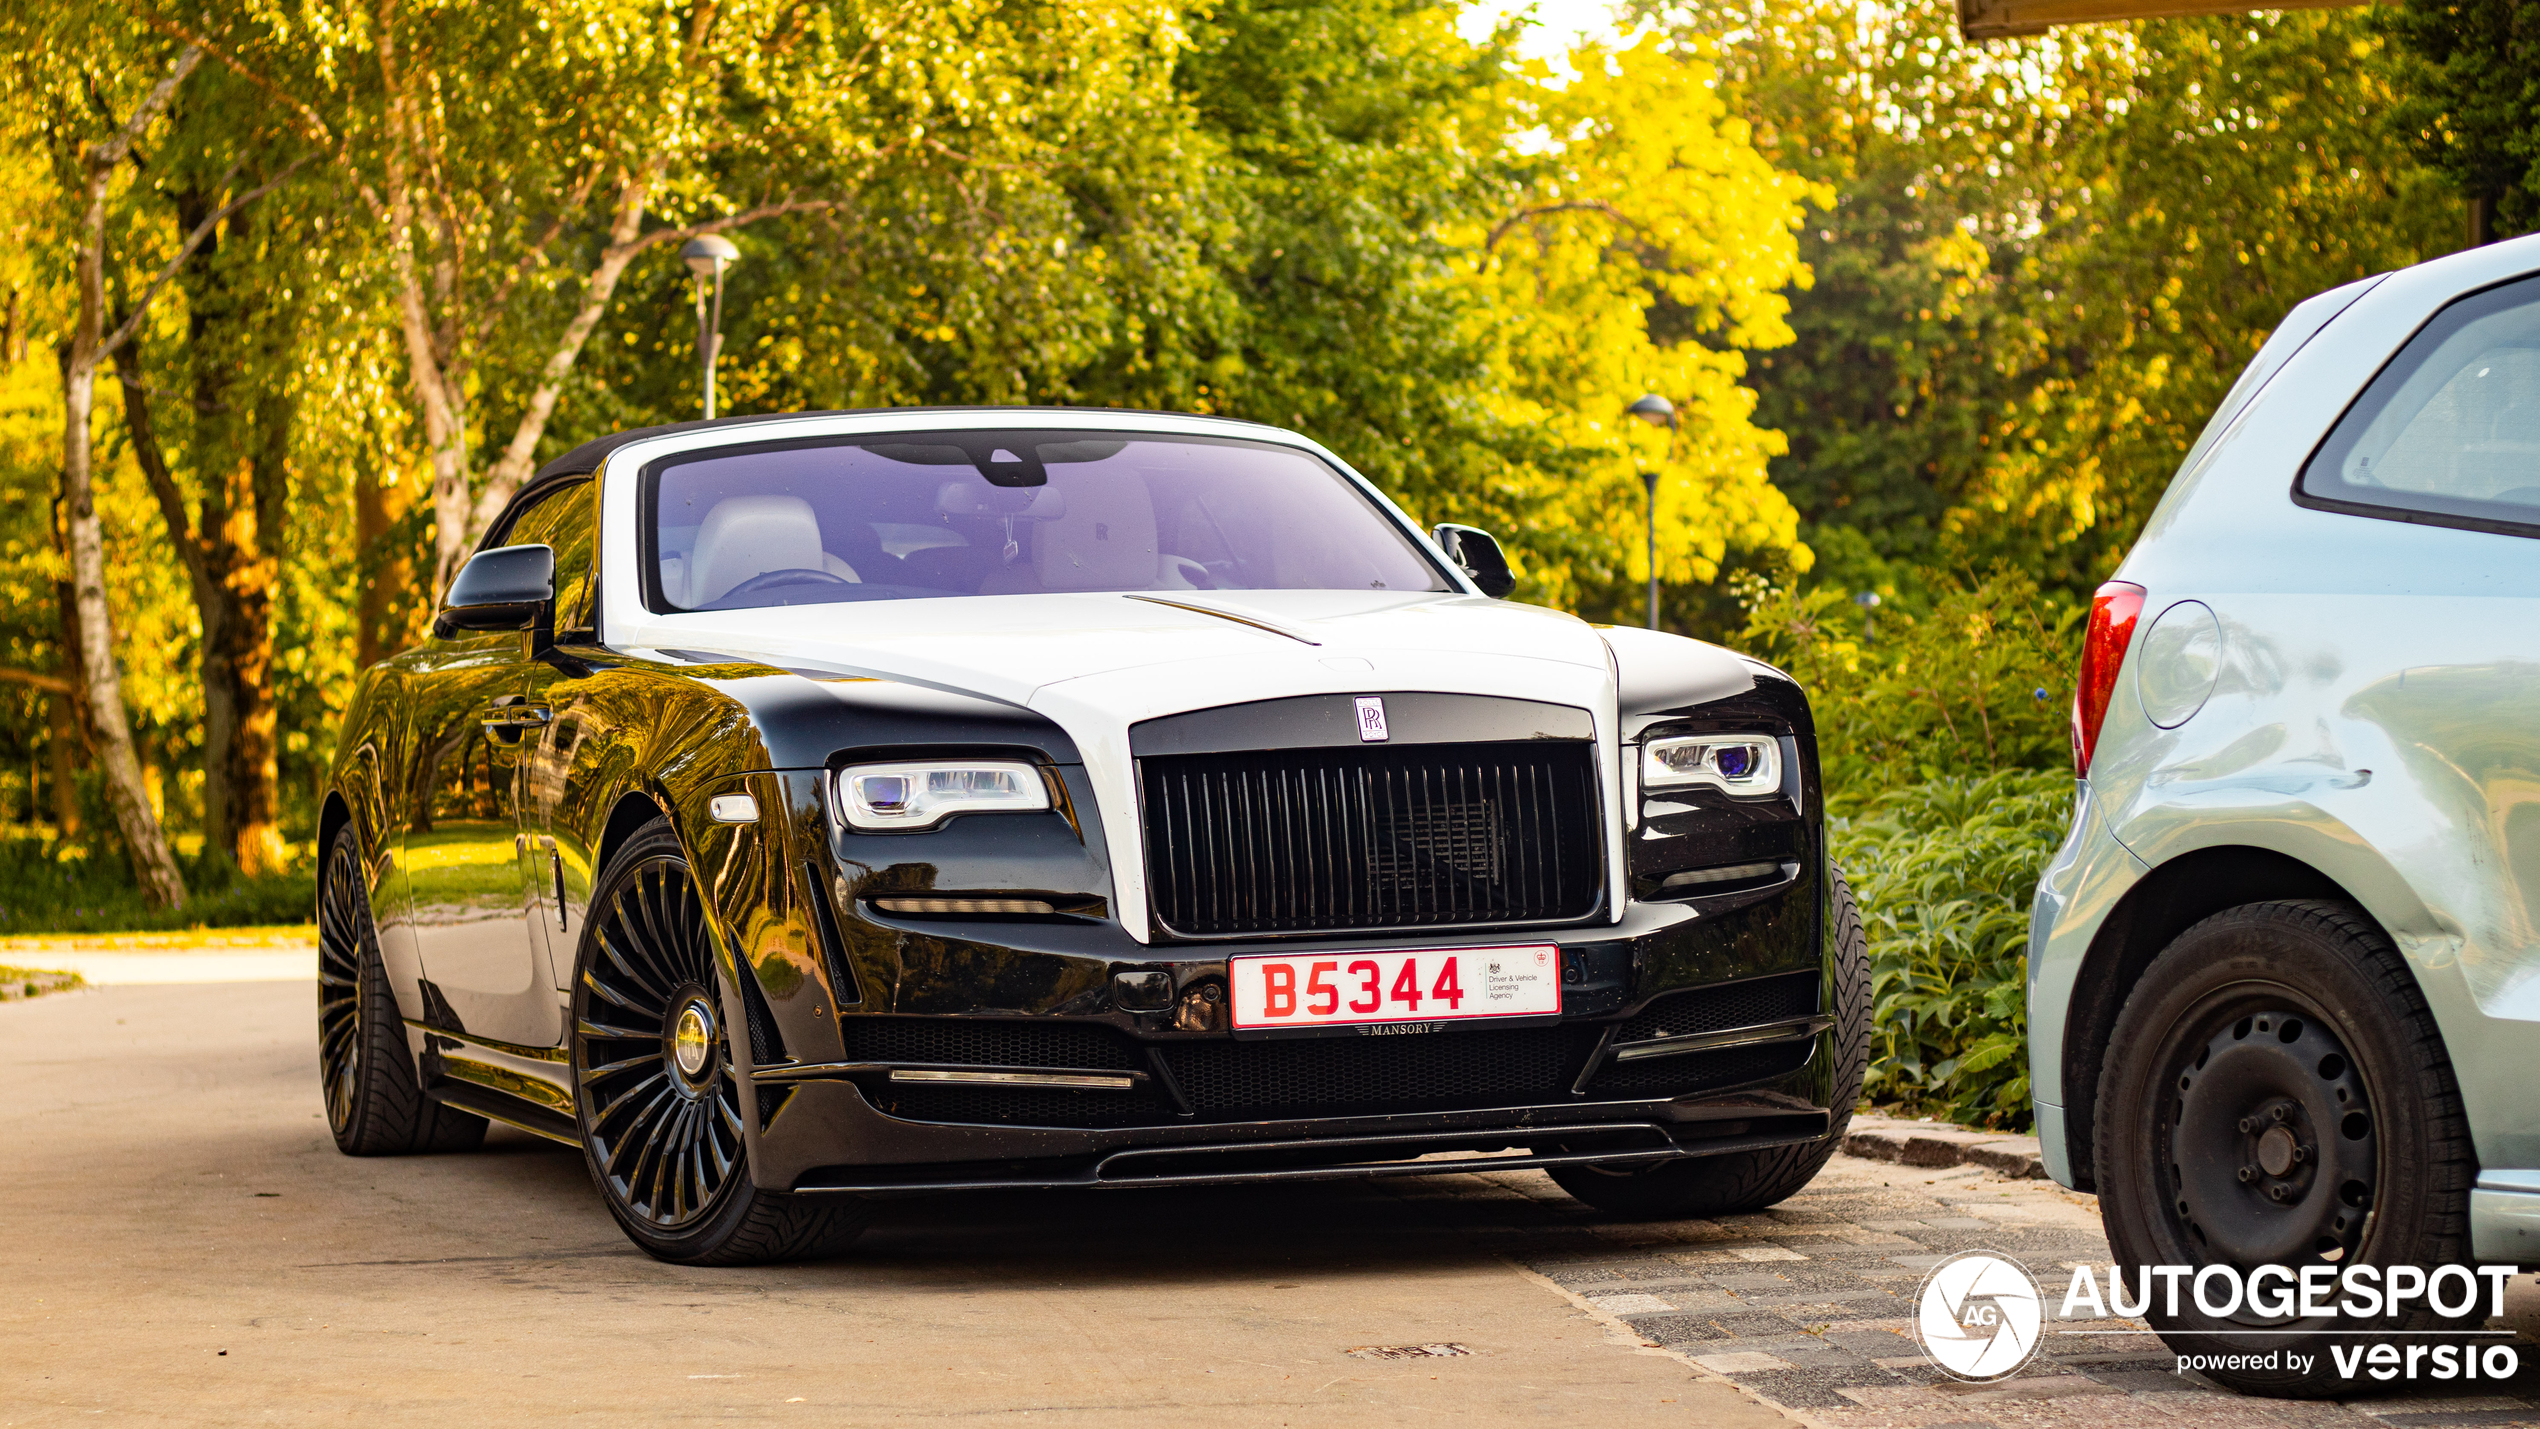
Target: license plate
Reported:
[(1423, 985)]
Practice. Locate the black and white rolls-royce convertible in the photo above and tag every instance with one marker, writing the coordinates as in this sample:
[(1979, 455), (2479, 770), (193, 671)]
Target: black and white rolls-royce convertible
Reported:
[(794, 811)]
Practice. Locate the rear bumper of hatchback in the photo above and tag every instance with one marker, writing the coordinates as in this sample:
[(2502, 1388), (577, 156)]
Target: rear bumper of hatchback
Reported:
[(2079, 889)]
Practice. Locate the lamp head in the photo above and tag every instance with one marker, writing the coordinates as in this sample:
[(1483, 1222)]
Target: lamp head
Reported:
[(708, 254), (1657, 411)]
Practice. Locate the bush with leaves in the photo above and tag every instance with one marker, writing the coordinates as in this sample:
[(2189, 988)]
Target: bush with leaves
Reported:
[(1944, 871), (1943, 736), (1981, 681)]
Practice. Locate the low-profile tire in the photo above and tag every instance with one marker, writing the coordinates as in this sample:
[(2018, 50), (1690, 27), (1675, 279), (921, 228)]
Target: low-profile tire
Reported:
[(2276, 1092), (374, 1102), (658, 1096), (1742, 1181)]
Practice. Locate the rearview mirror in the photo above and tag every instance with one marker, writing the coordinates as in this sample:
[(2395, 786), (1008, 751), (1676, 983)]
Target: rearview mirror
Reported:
[(1477, 554), (507, 588)]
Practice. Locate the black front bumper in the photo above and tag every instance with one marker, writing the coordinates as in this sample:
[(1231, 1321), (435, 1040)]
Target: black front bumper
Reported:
[(1658, 1056)]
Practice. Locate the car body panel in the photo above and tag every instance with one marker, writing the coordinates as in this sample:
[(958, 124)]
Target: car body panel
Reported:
[(2371, 710)]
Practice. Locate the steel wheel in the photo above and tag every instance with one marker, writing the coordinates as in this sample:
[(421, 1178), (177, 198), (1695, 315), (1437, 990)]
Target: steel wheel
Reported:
[(343, 918), (2271, 1155), (660, 1099), (2277, 1093)]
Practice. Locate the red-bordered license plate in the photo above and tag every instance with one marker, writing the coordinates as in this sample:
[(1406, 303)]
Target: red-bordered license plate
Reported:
[(1423, 985)]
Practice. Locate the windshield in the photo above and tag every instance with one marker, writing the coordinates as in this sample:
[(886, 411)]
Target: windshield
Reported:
[(1013, 512)]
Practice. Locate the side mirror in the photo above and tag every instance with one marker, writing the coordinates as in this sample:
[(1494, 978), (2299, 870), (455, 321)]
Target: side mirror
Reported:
[(1477, 554), (509, 588)]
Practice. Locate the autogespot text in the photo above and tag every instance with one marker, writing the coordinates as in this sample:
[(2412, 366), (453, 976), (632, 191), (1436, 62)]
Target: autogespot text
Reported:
[(2311, 1294)]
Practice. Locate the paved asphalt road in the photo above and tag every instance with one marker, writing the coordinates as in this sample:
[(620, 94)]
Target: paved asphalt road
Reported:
[(182, 1244)]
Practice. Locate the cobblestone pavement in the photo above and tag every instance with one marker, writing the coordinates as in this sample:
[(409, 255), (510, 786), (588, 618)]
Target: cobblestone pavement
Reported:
[(1808, 1306)]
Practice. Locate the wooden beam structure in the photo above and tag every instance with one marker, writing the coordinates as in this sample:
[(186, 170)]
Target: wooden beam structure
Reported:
[(1989, 19)]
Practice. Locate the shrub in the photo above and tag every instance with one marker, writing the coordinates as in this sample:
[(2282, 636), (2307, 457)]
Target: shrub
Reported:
[(1943, 738), (1944, 871), (1981, 681)]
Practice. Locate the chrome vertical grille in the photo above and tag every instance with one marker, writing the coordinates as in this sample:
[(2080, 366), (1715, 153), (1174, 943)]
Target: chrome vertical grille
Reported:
[(1408, 836)]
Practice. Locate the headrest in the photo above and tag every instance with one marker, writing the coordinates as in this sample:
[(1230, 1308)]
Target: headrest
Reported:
[(745, 536), (1105, 537)]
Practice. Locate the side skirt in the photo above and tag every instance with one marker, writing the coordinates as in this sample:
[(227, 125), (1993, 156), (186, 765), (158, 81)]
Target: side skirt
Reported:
[(521, 1087), (511, 1111)]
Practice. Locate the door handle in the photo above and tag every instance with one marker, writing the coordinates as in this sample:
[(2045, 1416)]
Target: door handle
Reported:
[(506, 721)]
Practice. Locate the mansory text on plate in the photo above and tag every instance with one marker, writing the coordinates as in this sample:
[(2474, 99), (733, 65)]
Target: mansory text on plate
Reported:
[(791, 811)]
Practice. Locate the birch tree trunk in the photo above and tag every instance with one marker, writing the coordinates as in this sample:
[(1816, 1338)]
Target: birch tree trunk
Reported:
[(153, 866)]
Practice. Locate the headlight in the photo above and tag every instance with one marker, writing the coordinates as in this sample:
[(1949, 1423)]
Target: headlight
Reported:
[(904, 798), (1738, 763)]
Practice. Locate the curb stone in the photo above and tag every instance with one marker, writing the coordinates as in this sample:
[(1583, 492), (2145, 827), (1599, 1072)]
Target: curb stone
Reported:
[(1934, 1143), (18, 984)]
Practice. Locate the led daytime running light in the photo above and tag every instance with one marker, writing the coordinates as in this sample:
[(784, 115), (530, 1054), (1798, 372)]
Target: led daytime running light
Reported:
[(1736, 763), (906, 798)]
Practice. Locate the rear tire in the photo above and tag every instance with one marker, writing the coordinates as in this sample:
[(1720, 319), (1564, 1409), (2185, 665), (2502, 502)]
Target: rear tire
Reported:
[(374, 1102), (1744, 1181), (2277, 1092), (658, 1094)]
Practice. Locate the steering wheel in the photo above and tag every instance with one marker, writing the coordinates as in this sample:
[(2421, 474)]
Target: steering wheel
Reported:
[(790, 575)]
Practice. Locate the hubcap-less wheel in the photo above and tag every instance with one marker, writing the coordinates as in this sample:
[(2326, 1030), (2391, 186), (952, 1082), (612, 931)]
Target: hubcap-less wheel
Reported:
[(2271, 1152), (340, 984), (2276, 1092), (662, 1103)]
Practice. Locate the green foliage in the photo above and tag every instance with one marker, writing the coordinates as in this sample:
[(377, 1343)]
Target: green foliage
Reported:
[(1338, 215), (1979, 681), (1944, 872), (46, 888), (1943, 738), (2468, 101), (2048, 257), (17, 984)]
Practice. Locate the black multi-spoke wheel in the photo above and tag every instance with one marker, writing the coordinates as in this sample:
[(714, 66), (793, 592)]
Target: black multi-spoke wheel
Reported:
[(2277, 1093), (374, 1104), (659, 1096), (343, 909)]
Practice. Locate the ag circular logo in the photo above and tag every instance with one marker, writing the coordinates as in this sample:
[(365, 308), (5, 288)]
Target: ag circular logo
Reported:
[(1980, 1315)]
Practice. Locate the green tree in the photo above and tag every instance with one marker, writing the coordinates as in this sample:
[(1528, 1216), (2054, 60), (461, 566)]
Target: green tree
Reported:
[(2469, 103), (2047, 259)]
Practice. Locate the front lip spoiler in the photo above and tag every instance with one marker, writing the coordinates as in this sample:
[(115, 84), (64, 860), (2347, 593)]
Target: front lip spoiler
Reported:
[(1791, 1029), (1338, 1158)]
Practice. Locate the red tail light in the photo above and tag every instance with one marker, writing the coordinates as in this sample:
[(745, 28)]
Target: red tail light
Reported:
[(2113, 608)]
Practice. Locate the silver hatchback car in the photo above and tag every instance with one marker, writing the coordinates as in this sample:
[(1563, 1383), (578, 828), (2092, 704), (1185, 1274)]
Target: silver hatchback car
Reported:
[(2284, 978)]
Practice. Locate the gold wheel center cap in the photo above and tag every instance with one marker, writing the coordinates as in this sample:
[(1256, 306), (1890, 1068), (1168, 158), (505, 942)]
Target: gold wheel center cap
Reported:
[(691, 1039)]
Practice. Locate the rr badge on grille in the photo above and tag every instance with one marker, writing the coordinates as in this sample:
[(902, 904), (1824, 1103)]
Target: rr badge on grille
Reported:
[(1371, 720)]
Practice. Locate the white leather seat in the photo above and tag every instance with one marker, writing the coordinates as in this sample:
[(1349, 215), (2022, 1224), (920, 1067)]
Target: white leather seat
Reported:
[(747, 536)]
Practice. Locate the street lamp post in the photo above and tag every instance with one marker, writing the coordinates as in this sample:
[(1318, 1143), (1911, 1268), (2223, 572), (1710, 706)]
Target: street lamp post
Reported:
[(1657, 411), (707, 255)]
